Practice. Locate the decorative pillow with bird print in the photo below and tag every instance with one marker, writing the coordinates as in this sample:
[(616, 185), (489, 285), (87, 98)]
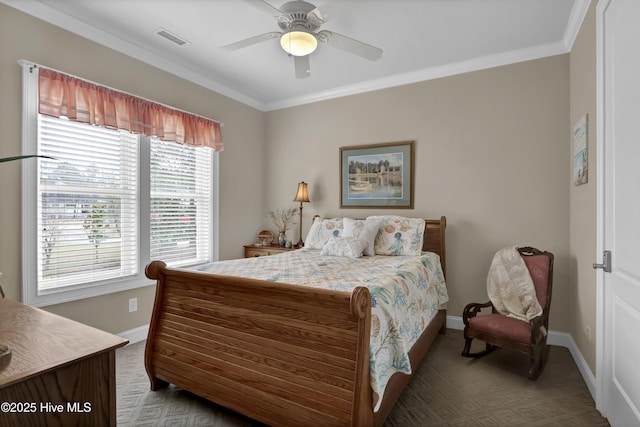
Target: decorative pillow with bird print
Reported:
[(400, 236)]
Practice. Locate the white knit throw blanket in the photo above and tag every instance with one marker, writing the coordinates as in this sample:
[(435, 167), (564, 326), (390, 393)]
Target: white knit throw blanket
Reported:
[(510, 286)]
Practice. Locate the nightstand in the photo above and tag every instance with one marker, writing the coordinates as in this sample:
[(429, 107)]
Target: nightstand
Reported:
[(251, 251)]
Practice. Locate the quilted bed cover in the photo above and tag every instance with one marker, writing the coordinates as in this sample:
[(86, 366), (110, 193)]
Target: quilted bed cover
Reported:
[(406, 293)]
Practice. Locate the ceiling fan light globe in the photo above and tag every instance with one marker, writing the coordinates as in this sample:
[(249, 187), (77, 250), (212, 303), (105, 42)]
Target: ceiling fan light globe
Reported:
[(298, 43)]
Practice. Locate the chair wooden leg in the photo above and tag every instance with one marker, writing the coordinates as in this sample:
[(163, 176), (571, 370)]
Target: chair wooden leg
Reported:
[(467, 346), (538, 362), (534, 368)]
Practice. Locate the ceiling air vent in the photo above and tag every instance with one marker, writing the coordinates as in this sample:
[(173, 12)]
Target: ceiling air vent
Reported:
[(171, 37)]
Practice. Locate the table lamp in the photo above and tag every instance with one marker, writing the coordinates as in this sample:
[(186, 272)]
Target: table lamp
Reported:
[(302, 195)]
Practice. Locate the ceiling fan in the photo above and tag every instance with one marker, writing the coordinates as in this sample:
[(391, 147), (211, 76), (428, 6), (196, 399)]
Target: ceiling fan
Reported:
[(300, 22)]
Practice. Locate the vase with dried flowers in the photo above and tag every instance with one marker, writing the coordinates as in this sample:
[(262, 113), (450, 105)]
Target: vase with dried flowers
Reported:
[(282, 219)]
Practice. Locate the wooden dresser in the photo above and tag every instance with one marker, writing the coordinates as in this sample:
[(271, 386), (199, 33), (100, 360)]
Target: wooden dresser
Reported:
[(61, 372), (251, 251)]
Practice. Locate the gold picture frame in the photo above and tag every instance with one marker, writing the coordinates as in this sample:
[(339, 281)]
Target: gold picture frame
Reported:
[(377, 175)]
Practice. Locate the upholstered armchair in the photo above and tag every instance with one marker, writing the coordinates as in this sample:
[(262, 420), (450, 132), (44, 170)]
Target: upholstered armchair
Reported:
[(498, 330)]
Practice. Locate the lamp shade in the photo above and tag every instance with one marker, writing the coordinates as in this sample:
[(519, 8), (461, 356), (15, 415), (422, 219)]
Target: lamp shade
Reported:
[(302, 195), (298, 43)]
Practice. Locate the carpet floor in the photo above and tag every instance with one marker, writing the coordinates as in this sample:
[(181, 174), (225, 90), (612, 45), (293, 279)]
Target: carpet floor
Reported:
[(447, 390)]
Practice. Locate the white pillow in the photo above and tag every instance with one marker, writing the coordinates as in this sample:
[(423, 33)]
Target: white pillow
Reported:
[(342, 246), (321, 230), (399, 236), (363, 229)]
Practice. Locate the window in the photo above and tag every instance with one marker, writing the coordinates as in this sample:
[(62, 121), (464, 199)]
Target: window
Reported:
[(180, 203), (106, 204), (86, 204)]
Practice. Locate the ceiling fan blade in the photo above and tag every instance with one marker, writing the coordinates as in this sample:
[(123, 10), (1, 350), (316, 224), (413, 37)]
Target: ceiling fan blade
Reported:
[(332, 9), (265, 7), (356, 47), (302, 66), (251, 41)]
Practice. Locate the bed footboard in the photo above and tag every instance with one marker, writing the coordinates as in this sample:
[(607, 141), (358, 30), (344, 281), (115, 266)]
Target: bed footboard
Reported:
[(280, 354)]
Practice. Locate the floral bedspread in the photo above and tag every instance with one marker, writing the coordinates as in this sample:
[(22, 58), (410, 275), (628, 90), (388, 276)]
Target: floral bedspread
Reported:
[(406, 293)]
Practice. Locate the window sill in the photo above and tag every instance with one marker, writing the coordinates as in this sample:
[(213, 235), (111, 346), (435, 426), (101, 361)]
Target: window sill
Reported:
[(53, 297)]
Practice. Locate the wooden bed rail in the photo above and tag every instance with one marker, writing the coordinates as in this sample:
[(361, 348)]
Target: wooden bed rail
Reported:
[(281, 354)]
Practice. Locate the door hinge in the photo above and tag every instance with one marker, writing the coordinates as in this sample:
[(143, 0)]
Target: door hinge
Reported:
[(606, 262)]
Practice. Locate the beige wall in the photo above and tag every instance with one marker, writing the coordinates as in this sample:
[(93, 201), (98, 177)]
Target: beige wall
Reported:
[(491, 154), (24, 37), (582, 207)]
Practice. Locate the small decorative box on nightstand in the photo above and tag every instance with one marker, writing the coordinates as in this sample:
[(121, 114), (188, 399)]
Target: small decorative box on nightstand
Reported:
[(251, 251)]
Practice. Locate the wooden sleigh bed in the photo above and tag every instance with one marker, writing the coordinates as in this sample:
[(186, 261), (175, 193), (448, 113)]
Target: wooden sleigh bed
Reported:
[(278, 353)]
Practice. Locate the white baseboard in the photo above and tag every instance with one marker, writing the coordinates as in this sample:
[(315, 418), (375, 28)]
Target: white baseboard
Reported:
[(455, 322), (566, 340), (561, 339), (136, 334)]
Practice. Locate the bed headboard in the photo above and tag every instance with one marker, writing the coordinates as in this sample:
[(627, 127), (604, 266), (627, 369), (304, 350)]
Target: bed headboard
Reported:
[(434, 239)]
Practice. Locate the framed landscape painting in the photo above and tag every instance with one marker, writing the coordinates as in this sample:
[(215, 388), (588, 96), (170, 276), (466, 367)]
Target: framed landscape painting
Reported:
[(377, 176)]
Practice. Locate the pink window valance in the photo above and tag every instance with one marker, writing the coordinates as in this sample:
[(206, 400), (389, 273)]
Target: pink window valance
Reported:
[(82, 101)]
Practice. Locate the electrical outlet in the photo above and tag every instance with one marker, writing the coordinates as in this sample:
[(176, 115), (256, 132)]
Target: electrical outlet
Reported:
[(133, 305)]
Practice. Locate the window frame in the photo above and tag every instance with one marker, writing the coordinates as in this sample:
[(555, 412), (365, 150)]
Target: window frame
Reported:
[(31, 295)]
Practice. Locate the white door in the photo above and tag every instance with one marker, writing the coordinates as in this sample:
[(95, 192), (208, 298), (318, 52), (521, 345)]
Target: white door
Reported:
[(619, 200)]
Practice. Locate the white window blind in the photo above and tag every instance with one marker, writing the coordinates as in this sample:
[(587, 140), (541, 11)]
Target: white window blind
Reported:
[(181, 192), (110, 202), (87, 203)]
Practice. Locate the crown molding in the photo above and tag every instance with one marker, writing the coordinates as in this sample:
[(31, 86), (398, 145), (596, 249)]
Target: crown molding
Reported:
[(578, 13), (52, 16), (574, 23), (491, 61)]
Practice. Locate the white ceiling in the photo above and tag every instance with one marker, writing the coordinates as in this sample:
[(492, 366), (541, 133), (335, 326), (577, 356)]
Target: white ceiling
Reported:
[(421, 40)]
